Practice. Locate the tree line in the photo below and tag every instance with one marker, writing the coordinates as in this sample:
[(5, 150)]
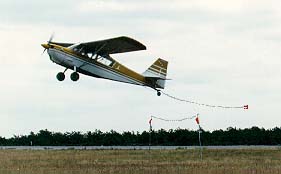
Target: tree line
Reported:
[(176, 137)]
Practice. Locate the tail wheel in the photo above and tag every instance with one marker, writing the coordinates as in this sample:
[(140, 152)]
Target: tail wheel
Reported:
[(74, 76), (158, 93), (60, 76)]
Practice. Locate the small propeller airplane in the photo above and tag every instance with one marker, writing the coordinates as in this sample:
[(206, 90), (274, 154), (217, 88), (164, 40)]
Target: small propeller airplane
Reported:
[(94, 59)]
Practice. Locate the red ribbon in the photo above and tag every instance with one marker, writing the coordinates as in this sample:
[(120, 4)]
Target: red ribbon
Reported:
[(197, 120)]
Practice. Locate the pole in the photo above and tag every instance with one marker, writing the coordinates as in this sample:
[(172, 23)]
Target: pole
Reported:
[(200, 144), (150, 130)]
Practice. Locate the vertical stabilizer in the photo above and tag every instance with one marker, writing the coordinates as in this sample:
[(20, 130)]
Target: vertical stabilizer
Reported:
[(157, 69), (157, 73)]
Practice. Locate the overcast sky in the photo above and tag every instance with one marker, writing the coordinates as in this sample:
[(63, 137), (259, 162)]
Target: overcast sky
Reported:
[(219, 52)]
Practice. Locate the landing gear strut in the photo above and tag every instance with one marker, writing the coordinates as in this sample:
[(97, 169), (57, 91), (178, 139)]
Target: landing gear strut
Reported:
[(158, 93), (74, 76)]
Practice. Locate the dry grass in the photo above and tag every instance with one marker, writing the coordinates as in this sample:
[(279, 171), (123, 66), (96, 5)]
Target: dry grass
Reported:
[(139, 161)]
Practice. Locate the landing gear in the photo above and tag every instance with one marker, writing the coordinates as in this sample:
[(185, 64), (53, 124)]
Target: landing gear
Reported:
[(74, 76), (158, 93), (60, 76)]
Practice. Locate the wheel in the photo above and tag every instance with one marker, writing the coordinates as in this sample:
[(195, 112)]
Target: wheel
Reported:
[(60, 76), (158, 93), (74, 76)]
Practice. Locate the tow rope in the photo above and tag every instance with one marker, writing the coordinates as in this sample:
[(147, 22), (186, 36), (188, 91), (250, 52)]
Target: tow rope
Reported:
[(206, 105)]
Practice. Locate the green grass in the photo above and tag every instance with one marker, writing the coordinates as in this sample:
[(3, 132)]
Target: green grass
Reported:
[(140, 161)]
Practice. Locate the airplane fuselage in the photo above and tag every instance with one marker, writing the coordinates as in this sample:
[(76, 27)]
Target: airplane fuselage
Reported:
[(96, 67)]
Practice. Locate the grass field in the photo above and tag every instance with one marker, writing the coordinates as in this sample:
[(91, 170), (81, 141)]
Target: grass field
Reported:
[(140, 161)]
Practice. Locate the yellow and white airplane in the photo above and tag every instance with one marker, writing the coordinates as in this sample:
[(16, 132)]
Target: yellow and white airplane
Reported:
[(94, 59)]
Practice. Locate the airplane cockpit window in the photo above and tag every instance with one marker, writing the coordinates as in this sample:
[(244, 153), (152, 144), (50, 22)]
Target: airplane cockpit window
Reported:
[(105, 61), (74, 47), (90, 55), (80, 49)]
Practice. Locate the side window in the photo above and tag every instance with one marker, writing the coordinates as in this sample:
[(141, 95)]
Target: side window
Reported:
[(90, 55), (105, 61)]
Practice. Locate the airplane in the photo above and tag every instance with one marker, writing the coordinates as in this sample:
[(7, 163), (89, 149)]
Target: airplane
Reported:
[(94, 59)]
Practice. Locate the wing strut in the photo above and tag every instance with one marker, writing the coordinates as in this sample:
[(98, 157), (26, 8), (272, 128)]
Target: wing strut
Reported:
[(100, 48)]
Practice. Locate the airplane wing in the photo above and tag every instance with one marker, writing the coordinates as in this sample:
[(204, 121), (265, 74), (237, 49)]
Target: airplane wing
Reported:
[(62, 44), (111, 46)]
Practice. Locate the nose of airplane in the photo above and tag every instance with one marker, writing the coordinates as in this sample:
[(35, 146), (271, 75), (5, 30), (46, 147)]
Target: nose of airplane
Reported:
[(46, 46)]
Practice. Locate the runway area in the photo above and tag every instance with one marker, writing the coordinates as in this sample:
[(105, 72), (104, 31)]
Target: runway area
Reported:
[(136, 147)]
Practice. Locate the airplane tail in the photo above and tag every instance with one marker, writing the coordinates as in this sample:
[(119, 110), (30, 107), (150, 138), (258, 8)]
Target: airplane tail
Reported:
[(156, 73)]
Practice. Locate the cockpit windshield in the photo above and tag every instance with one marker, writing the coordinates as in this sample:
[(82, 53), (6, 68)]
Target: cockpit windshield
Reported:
[(78, 48), (74, 47)]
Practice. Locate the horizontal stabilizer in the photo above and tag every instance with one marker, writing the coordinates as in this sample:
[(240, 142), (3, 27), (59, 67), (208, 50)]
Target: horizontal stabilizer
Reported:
[(157, 78)]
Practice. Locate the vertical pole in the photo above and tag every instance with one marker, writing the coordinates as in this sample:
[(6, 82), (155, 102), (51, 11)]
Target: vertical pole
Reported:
[(199, 134), (150, 129), (200, 144)]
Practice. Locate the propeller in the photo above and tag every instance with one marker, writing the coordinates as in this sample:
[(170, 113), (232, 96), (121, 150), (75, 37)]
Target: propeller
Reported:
[(51, 38), (44, 51), (49, 41)]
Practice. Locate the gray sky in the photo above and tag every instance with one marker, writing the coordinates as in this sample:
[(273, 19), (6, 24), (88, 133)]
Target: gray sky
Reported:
[(219, 52)]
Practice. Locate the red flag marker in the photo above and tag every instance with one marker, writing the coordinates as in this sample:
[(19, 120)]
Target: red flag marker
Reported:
[(150, 121), (197, 120), (246, 106)]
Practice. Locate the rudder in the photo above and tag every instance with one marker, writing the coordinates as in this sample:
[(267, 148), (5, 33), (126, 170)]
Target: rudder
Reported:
[(157, 69), (157, 73)]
